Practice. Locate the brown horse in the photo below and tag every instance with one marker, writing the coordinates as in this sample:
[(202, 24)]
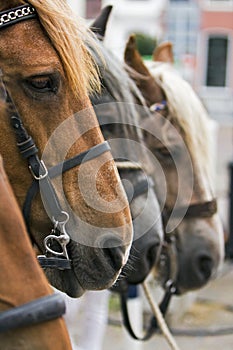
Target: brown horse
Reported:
[(22, 280), (177, 134), (48, 73)]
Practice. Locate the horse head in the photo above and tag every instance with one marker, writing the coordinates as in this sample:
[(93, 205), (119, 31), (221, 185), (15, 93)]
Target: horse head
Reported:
[(48, 73), (177, 134), (117, 113)]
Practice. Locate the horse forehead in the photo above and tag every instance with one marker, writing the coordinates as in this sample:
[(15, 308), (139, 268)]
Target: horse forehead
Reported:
[(26, 44)]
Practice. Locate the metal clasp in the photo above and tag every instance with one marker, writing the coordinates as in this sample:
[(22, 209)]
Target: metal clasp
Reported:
[(41, 176), (62, 239), (170, 286)]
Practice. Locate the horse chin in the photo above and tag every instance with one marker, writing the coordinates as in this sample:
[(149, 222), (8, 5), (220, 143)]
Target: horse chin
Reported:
[(99, 273), (65, 281)]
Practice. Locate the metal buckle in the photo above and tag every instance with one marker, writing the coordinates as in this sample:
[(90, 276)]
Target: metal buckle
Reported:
[(41, 176), (170, 286)]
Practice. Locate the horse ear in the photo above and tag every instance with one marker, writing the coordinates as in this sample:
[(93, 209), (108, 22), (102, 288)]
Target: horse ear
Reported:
[(164, 53), (100, 24), (150, 90), (133, 58)]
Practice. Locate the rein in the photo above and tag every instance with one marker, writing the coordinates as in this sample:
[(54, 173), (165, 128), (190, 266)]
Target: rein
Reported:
[(41, 175), (140, 188)]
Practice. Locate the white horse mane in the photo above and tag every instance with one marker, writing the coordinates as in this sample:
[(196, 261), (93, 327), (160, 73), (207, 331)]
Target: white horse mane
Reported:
[(187, 111)]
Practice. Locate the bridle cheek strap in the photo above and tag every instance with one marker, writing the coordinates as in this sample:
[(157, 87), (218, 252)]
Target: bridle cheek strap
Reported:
[(42, 180)]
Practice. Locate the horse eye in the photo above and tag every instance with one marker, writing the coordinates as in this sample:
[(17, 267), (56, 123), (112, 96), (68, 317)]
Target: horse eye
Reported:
[(42, 84)]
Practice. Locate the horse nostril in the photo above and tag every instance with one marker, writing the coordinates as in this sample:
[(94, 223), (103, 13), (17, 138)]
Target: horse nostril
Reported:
[(195, 269), (205, 266), (113, 249), (116, 257)]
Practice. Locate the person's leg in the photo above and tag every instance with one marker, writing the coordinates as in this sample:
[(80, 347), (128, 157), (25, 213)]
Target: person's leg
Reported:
[(73, 310), (86, 319), (95, 320)]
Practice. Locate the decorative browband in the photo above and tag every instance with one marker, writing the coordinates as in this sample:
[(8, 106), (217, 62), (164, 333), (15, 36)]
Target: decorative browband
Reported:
[(17, 14)]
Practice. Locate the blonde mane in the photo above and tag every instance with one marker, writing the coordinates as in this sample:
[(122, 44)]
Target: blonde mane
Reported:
[(187, 112), (69, 36)]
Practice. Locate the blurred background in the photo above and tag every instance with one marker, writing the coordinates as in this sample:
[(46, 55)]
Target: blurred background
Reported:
[(202, 35)]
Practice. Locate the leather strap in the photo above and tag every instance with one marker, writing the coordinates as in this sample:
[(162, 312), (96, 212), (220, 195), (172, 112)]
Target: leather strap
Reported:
[(41, 175), (197, 210), (83, 157), (17, 14), (40, 310)]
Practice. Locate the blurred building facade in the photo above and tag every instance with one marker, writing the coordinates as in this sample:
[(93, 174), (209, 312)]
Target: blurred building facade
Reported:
[(128, 16), (214, 71), (202, 34), (214, 83)]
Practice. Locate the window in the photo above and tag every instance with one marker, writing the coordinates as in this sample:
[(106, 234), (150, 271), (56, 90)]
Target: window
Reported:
[(217, 61)]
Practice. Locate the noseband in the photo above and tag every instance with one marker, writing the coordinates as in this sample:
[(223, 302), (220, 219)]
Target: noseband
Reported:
[(41, 175)]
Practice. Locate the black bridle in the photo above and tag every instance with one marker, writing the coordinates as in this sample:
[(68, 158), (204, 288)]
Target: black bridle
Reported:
[(41, 175), (140, 188), (42, 181)]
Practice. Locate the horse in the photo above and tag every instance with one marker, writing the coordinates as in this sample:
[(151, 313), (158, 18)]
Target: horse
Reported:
[(177, 134), (23, 281), (80, 222), (118, 118)]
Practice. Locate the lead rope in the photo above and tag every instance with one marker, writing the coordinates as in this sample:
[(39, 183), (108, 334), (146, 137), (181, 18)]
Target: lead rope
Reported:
[(160, 319), (128, 165)]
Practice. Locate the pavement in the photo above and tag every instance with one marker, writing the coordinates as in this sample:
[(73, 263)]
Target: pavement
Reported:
[(209, 309)]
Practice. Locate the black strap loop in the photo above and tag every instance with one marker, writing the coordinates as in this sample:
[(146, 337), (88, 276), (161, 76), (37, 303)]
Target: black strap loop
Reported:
[(153, 326)]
